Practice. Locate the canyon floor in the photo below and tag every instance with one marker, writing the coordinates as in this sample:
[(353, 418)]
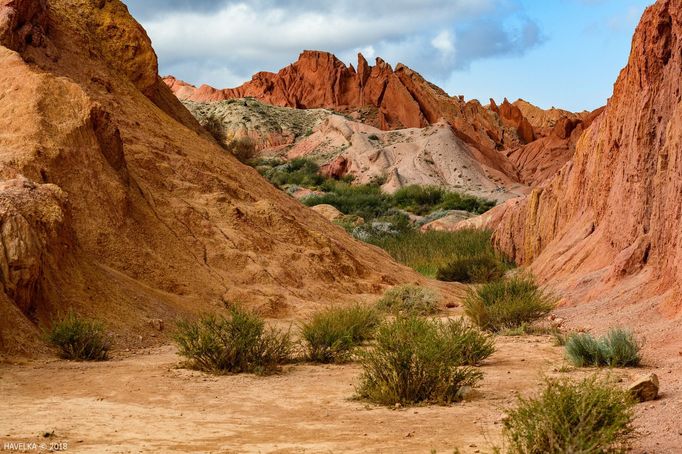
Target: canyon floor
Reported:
[(144, 401)]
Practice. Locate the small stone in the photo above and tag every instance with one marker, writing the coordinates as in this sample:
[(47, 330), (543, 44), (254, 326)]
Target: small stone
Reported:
[(645, 388), (450, 304)]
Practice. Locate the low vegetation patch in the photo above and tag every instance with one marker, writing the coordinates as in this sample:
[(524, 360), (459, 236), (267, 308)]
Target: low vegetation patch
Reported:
[(618, 348), (507, 304), (366, 200), (414, 361), (234, 344), (409, 300), (590, 416), (332, 334), (79, 338), (472, 269), (299, 172), (423, 200), (388, 221), (430, 251)]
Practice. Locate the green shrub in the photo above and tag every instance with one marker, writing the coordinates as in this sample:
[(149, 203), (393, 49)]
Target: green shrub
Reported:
[(367, 201), (411, 363), (585, 417), (409, 299), (618, 348), (332, 334), (472, 270), (235, 344), (468, 344), (506, 304), (79, 338), (299, 171)]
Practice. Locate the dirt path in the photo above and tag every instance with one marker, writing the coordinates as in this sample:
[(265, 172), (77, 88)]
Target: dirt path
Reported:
[(144, 403)]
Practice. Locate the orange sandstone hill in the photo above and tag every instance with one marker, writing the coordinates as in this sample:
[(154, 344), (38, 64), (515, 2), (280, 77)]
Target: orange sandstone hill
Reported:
[(115, 202)]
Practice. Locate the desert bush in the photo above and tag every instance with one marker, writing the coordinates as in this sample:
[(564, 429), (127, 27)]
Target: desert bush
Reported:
[(506, 304), (618, 348), (409, 300), (472, 270), (243, 148), (332, 334), (585, 417), (468, 344), (413, 363), (79, 338), (235, 344)]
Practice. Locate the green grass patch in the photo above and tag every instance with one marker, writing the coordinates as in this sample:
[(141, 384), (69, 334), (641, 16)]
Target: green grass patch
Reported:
[(331, 335), (423, 200), (475, 269), (235, 344), (507, 304), (589, 416), (409, 300), (79, 338), (414, 360), (618, 348), (429, 251), (300, 172)]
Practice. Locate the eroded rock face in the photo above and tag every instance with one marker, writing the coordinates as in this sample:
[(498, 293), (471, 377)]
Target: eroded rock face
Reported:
[(542, 158), (32, 222), (22, 23), (512, 116), (612, 214)]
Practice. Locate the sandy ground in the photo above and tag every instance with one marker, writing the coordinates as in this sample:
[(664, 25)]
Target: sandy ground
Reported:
[(146, 403)]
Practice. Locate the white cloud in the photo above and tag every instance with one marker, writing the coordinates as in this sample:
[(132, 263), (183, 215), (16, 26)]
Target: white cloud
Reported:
[(444, 42), (224, 42)]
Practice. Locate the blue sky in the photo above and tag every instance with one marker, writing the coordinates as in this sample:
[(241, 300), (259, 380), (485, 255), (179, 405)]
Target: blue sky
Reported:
[(563, 53)]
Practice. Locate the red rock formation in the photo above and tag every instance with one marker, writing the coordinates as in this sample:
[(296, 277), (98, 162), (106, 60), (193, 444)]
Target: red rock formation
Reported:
[(404, 99), (116, 203), (607, 226), (512, 116), (541, 159)]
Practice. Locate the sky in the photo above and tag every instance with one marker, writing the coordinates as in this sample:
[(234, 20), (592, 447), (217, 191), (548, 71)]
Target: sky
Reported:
[(553, 53)]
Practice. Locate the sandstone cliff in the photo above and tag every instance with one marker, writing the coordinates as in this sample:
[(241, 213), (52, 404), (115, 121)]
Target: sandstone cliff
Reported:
[(116, 203), (606, 228)]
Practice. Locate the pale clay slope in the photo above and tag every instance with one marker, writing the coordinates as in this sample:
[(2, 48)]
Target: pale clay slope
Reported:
[(433, 155)]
